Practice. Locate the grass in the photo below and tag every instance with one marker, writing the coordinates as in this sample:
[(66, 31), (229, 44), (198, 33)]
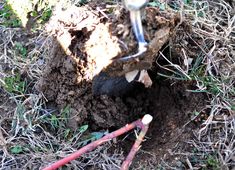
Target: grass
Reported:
[(33, 135), (20, 50), (213, 28), (8, 17), (14, 84)]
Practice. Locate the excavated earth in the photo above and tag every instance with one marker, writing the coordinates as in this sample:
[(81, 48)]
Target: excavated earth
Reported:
[(86, 39)]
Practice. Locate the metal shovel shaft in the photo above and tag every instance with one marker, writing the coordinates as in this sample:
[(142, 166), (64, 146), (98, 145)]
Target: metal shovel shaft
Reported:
[(137, 27), (134, 7)]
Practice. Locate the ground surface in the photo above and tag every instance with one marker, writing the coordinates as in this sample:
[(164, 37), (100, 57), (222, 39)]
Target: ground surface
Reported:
[(190, 61), (68, 79)]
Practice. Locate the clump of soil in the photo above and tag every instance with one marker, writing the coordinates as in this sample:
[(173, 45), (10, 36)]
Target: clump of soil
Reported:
[(85, 43)]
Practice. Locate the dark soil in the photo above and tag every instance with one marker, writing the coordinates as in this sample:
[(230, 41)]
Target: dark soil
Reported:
[(171, 106), (6, 105), (84, 44)]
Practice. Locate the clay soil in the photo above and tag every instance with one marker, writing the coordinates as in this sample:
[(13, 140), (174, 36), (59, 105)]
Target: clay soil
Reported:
[(85, 40)]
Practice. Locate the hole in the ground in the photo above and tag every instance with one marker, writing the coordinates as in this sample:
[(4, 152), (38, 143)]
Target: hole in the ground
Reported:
[(171, 106), (167, 101)]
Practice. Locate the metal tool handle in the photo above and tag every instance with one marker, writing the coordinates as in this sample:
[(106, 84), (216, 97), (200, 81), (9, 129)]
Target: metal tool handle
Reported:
[(135, 17), (134, 6)]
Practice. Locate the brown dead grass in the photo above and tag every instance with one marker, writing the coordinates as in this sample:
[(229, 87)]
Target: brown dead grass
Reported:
[(213, 32)]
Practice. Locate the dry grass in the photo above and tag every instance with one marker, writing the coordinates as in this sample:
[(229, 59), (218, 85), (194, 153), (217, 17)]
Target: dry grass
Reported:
[(25, 126), (210, 43), (29, 127)]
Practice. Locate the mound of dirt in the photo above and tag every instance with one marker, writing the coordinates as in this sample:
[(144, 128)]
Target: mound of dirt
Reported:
[(85, 43)]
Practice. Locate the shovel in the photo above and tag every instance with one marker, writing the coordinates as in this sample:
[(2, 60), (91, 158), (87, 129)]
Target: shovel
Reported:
[(134, 6)]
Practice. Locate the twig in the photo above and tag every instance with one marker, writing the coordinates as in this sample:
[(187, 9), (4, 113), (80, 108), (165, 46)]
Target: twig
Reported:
[(146, 120), (189, 164), (143, 124)]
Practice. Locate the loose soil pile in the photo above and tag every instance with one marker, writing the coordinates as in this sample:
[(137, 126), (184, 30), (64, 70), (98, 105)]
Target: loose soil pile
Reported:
[(86, 40)]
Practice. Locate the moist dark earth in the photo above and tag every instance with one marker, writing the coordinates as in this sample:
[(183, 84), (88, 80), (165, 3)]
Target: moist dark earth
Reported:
[(84, 41)]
